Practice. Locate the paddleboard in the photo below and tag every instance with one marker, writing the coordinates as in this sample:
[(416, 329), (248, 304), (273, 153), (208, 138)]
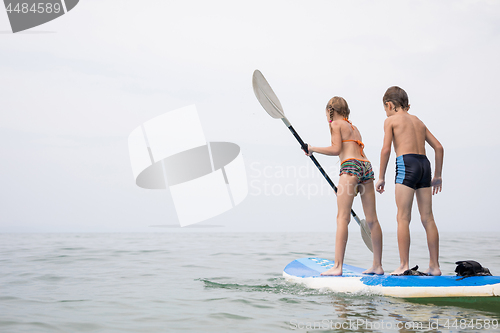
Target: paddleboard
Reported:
[(307, 271)]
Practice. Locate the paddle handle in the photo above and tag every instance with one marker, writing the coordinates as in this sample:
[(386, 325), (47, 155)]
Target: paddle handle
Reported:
[(304, 147)]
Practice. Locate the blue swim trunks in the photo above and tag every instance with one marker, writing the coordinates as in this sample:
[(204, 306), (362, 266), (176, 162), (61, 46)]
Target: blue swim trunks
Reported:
[(413, 170)]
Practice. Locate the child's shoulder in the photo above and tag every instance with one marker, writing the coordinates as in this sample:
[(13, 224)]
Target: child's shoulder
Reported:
[(414, 117), (401, 119), (389, 121), (336, 124), (417, 119)]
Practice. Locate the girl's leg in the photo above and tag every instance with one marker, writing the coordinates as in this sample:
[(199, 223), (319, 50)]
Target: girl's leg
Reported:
[(345, 196), (404, 201), (367, 191), (424, 201)]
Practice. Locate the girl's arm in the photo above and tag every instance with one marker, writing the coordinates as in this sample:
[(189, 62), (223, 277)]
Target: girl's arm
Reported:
[(336, 147), (385, 153)]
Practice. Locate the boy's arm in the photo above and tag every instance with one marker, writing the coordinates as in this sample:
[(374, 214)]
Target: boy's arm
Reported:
[(385, 153), (335, 148), (437, 182)]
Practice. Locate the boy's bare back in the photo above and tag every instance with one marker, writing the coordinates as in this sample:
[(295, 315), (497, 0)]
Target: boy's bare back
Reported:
[(409, 133)]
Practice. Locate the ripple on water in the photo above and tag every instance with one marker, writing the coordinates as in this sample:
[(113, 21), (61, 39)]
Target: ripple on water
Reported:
[(225, 315)]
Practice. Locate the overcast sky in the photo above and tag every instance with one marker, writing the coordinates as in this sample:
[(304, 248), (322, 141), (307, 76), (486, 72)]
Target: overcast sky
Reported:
[(73, 89)]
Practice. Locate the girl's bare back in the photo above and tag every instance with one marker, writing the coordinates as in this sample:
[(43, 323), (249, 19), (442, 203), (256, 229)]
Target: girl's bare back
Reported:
[(350, 149)]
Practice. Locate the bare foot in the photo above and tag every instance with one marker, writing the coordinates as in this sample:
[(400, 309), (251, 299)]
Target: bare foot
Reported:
[(375, 270), (400, 270), (334, 271), (433, 271)]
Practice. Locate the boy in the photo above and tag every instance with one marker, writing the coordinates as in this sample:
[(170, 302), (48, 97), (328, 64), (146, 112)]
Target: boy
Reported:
[(413, 174)]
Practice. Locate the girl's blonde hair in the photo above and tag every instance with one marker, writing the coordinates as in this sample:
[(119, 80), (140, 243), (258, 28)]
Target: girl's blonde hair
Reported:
[(339, 105)]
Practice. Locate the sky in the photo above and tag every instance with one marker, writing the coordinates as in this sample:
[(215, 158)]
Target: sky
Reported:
[(73, 89)]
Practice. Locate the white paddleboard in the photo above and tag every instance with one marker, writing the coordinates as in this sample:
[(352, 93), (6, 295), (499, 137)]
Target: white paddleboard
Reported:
[(307, 271)]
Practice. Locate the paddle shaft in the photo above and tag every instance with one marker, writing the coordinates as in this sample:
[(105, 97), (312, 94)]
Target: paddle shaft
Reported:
[(315, 161)]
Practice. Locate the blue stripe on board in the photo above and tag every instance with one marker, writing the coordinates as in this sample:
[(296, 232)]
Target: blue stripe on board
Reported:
[(400, 169), (428, 281)]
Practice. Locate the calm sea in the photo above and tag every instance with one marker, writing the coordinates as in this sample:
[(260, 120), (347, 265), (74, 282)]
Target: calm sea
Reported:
[(185, 280)]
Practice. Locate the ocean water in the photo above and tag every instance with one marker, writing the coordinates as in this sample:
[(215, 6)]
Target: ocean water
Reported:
[(182, 280)]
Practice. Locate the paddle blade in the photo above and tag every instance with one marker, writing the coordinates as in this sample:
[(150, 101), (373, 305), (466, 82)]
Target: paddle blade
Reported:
[(366, 234), (266, 95)]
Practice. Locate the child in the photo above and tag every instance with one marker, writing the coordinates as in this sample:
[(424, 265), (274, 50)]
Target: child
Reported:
[(413, 174), (355, 173)]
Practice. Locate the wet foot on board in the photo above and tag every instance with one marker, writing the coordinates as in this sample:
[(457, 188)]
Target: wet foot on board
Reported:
[(334, 271), (433, 271), (400, 271), (374, 270)]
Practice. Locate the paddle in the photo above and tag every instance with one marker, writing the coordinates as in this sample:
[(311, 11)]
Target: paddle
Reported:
[(272, 105)]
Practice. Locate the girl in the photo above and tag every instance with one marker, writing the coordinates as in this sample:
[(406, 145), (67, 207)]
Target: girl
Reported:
[(356, 175)]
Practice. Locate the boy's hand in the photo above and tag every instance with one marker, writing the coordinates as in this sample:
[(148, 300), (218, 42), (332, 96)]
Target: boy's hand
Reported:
[(380, 186), (437, 185)]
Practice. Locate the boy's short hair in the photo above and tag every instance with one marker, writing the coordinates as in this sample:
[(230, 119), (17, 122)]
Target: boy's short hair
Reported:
[(339, 105), (397, 96)]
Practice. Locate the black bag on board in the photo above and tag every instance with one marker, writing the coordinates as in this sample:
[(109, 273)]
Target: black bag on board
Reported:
[(468, 268)]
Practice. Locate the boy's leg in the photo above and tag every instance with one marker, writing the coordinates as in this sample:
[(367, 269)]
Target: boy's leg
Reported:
[(345, 196), (367, 191), (404, 201), (424, 201)]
